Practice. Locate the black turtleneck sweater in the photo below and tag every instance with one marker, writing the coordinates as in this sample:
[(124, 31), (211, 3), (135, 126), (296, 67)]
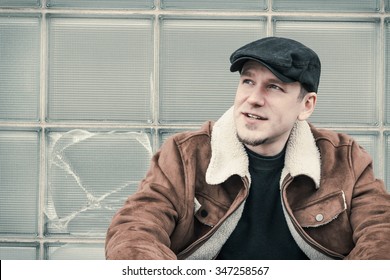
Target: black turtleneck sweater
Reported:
[(262, 232)]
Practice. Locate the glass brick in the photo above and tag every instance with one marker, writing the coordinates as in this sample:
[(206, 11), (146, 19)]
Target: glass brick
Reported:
[(71, 251), (327, 6), (19, 182), (20, 3), (249, 5), (387, 71), (18, 251), (102, 4), (195, 81), (100, 69), (19, 67), (387, 159), (91, 174), (347, 94), (387, 5)]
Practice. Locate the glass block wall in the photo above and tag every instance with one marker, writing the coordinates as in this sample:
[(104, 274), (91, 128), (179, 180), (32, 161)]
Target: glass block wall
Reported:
[(89, 89)]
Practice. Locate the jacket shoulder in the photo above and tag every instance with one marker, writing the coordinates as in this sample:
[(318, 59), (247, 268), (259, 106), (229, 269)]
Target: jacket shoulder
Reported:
[(200, 135), (335, 138), (341, 145)]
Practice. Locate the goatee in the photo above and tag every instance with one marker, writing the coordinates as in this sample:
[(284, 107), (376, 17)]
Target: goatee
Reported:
[(253, 143)]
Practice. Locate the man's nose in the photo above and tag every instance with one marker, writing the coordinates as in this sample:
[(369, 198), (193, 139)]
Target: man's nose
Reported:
[(257, 97)]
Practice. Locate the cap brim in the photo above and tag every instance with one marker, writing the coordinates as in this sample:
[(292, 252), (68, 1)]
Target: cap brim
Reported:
[(239, 63)]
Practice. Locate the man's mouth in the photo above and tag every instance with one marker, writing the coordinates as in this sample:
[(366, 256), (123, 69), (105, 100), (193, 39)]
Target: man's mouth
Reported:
[(255, 117)]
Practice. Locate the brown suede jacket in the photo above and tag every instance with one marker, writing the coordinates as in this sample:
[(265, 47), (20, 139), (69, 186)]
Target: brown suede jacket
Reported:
[(194, 192)]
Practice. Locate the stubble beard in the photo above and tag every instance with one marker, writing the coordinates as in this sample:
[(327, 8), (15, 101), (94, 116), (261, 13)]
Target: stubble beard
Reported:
[(252, 142)]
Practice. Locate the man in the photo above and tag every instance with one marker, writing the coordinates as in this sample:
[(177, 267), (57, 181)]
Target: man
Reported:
[(260, 183)]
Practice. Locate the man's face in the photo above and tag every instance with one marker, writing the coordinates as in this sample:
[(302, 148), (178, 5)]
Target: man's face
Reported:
[(265, 109)]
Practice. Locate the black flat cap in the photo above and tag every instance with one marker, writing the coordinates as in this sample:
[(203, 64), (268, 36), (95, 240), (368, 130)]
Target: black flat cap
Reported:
[(287, 59)]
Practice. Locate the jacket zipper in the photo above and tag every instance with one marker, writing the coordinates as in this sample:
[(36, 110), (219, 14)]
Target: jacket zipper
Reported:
[(195, 245), (303, 234)]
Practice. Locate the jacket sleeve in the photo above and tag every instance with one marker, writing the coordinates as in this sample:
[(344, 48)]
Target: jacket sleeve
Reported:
[(370, 210), (141, 229)]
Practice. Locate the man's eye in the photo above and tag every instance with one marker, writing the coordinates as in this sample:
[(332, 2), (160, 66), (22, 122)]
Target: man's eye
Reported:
[(275, 87), (248, 81)]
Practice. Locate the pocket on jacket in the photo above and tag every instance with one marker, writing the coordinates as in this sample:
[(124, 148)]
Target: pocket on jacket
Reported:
[(208, 213), (321, 211)]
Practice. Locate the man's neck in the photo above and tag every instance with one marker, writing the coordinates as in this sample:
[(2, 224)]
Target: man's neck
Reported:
[(267, 150)]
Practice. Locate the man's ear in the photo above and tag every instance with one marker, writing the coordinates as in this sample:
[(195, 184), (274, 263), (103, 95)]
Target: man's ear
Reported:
[(308, 103)]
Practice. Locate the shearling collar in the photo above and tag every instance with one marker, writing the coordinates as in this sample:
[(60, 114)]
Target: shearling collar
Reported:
[(230, 158)]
